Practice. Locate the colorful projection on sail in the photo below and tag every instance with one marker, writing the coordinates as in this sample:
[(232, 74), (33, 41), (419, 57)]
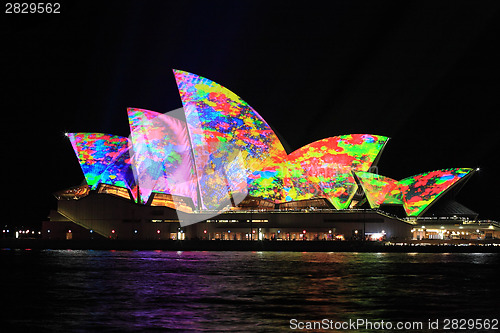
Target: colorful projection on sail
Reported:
[(420, 191), (119, 173), (328, 164), (357, 151), (224, 150), (104, 158), (268, 183), (320, 169), (224, 128), (378, 189), (162, 154)]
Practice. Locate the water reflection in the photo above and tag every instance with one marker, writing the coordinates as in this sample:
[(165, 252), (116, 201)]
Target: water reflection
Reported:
[(238, 291)]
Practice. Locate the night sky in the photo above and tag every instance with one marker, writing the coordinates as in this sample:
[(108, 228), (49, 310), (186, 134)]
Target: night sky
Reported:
[(424, 73)]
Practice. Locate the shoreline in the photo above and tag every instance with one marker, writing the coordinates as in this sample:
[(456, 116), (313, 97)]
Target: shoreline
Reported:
[(426, 246)]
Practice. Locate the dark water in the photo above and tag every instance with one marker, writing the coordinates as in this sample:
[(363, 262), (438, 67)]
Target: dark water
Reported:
[(147, 291)]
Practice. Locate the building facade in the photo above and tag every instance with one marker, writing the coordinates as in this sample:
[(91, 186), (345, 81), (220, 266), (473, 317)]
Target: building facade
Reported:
[(214, 169)]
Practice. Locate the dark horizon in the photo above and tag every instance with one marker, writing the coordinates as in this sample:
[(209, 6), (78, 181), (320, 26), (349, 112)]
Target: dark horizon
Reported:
[(425, 74)]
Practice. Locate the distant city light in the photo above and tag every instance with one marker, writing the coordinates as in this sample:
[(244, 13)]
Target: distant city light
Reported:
[(377, 235)]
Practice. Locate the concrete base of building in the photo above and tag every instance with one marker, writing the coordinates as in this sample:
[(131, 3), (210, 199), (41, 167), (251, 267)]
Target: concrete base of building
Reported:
[(111, 217)]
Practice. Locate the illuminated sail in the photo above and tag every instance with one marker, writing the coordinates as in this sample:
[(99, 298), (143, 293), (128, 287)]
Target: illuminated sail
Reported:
[(223, 127), (162, 154), (421, 190), (95, 152), (324, 168), (378, 189), (119, 172)]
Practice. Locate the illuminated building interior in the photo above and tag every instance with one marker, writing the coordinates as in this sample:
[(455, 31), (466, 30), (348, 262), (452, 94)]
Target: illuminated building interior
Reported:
[(182, 204)]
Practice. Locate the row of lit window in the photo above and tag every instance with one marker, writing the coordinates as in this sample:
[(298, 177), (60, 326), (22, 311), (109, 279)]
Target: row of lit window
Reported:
[(32, 232), (113, 231), (236, 221), (442, 230), (20, 233), (167, 221)]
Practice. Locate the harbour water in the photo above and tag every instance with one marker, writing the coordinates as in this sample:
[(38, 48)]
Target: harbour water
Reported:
[(149, 291)]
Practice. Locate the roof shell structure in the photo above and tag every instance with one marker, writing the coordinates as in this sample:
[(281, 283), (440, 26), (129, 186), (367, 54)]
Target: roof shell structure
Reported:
[(104, 158), (421, 190), (162, 160), (322, 169), (223, 150), (416, 193), (378, 189), (229, 139)]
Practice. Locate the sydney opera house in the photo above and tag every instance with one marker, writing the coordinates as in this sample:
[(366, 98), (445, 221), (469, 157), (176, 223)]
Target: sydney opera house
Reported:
[(214, 169)]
